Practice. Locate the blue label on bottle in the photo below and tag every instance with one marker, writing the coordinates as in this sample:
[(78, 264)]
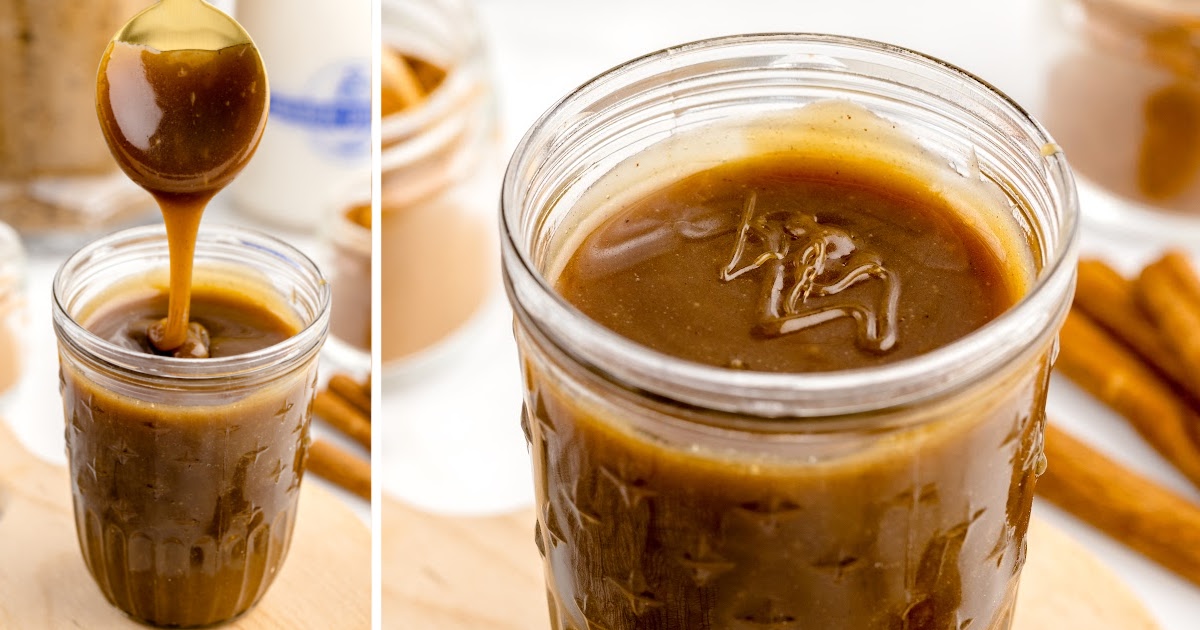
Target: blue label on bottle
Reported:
[(334, 109)]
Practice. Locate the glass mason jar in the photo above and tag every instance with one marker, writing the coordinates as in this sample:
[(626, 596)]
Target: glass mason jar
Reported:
[(58, 181), (186, 472), (441, 164), (676, 495), (349, 226), (1121, 94)]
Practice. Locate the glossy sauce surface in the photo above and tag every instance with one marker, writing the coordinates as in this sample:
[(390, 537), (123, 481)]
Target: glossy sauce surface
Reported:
[(918, 529), (234, 327), (777, 265)]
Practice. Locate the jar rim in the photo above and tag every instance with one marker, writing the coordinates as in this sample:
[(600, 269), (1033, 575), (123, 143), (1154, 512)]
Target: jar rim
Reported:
[(294, 349), (783, 395)]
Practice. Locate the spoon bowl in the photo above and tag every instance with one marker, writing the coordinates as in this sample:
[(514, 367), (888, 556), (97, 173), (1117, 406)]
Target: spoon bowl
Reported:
[(182, 98)]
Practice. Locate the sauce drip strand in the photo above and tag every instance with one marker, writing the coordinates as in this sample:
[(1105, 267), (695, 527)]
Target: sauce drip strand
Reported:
[(181, 124), (805, 260)]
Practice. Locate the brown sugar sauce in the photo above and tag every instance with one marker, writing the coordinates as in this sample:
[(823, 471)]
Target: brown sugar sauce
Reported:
[(185, 500), (785, 264), (774, 265)]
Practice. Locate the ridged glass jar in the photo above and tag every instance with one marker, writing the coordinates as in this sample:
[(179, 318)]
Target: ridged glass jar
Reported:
[(676, 495), (186, 472)]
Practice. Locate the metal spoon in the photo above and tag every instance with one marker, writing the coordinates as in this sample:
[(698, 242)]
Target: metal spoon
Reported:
[(182, 98)]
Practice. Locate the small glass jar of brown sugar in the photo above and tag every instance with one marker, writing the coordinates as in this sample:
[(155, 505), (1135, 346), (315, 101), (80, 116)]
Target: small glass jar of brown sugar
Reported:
[(440, 171), (12, 309), (349, 227), (1121, 95), (58, 182)]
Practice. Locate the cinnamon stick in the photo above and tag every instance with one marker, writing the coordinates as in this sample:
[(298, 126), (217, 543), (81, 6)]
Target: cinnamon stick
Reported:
[(1169, 291), (1109, 299), (353, 392), (1139, 513), (1106, 369), (344, 417), (340, 468)]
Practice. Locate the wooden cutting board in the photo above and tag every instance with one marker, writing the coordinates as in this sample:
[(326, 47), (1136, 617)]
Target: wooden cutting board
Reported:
[(443, 573), (325, 582)]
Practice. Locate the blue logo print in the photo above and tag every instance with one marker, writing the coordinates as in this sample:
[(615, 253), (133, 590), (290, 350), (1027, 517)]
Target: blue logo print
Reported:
[(335, 109)]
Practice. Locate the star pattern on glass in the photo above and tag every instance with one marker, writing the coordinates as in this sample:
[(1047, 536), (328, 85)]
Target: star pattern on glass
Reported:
[(186, 521), (550, 525), (284, 409), (155, 427), (277, 470), (121, 451), (953, 537), (254, 517), (771, 514), (1014, 434), (83, 479), (919, 614), (839, 565), (92, 471), (632, 492), (525, 424), (975, 515), (1034, 460), (923, 495), (590, 615), (76, 425), (636, 592), (703, 562), (123, 510), (1000, 549), (541, 414), (251, 457), (584, 517), (941, 555), (537, 537), (767, 616), (188, 458)]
